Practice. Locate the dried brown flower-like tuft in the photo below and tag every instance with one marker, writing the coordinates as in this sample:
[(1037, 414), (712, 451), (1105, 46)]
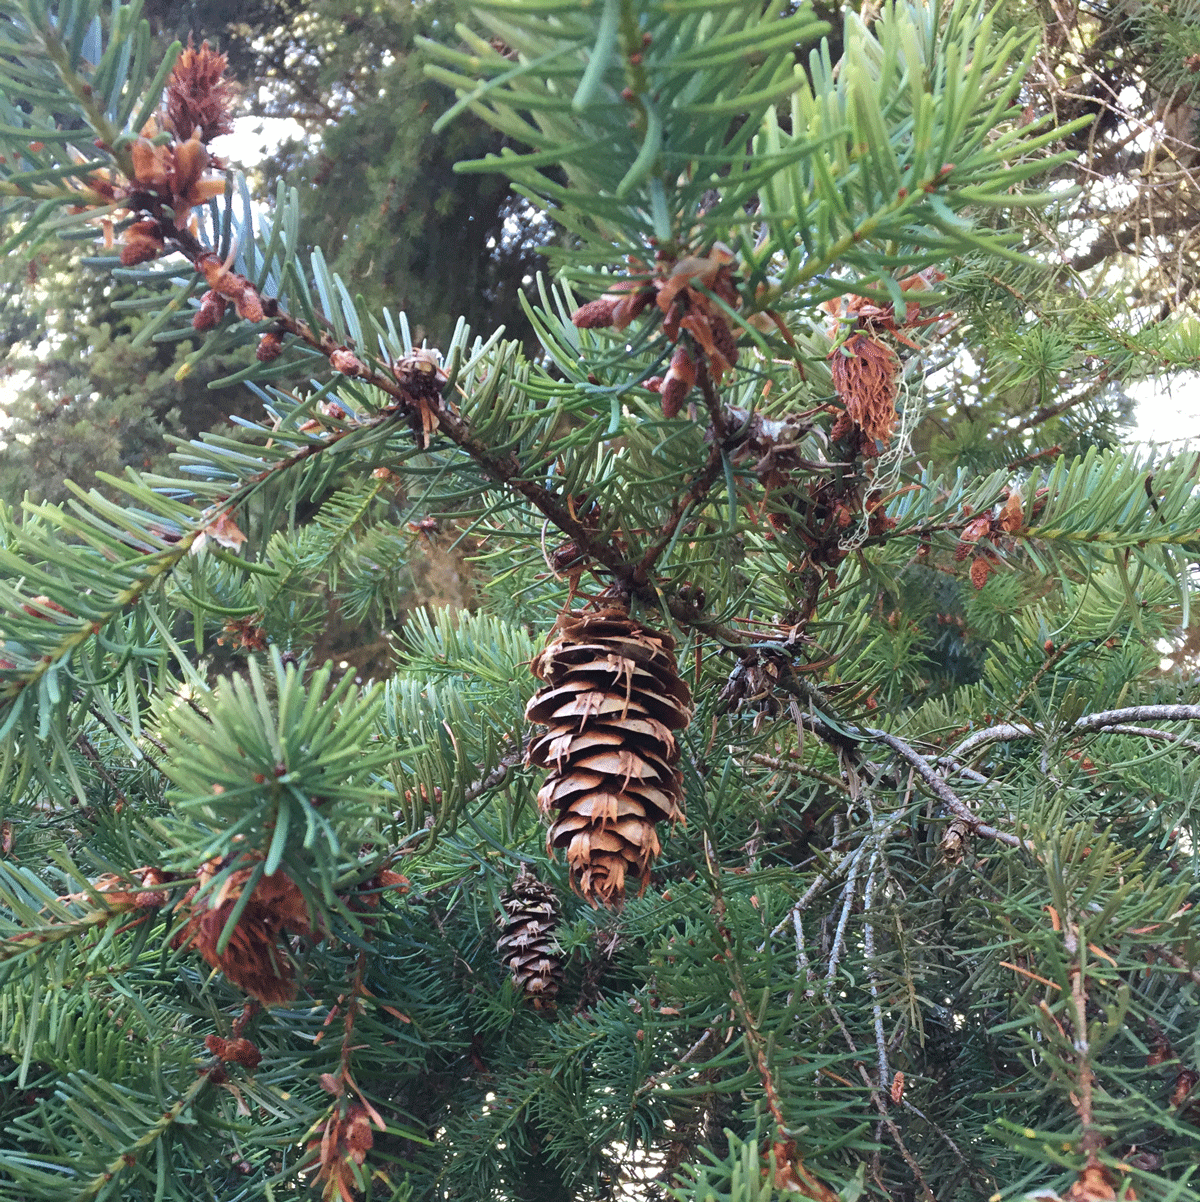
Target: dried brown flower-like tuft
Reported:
[(612, 699), (236, 1051), (866, 375), (254, 959), (342, 1146), (198, 95)]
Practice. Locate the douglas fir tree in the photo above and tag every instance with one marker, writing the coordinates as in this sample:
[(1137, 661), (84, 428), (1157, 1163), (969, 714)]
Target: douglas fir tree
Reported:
[(847, 846)]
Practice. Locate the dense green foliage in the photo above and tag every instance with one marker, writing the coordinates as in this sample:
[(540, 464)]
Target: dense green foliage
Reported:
[(376, 190), (835, 415)]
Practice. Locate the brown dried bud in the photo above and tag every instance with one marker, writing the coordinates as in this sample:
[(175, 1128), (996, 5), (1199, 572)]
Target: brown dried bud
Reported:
[(248, 303), (1012, 514), (143, 241), (975, 530), (565, 555), (677, 383), (238, 1051), (980, 567), (595, 314), (631, 305), (191, 162), (270, 346), (150, 164), (347, 362), (421, 374), (212, 309), (233, 287)]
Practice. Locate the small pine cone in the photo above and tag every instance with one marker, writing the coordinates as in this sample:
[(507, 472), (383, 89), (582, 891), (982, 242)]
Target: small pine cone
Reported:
[(527, 944), (612, 699)]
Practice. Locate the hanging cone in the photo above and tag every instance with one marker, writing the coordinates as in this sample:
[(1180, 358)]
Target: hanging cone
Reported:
[(527, 944), (612, 699)]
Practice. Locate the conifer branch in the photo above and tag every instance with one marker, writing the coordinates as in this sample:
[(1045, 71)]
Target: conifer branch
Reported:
[(82, 92), (938, 787), (1102, 722), (131, 1155), (698, 488), (790, 1170)]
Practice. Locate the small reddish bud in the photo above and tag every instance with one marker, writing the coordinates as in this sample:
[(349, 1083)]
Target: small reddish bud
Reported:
[(595, 314), (212, 309), (677, 383), (143, 242), (346, 361), (270, 347)]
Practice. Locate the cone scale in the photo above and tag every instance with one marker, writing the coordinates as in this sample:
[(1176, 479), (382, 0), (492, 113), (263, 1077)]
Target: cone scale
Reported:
[(612, 701)]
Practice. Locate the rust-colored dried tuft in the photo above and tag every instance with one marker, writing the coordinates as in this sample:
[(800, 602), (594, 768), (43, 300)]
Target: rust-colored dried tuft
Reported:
[(612, 699), (255, 959), (343, 1144), (198, 95), (236, 1051), (866, 375)]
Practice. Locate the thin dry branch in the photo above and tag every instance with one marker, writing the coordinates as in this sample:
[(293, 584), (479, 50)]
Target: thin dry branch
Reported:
[(1102, 722)]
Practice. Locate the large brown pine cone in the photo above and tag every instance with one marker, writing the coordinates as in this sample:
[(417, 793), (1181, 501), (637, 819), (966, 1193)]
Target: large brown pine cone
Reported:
[(611, 701)]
